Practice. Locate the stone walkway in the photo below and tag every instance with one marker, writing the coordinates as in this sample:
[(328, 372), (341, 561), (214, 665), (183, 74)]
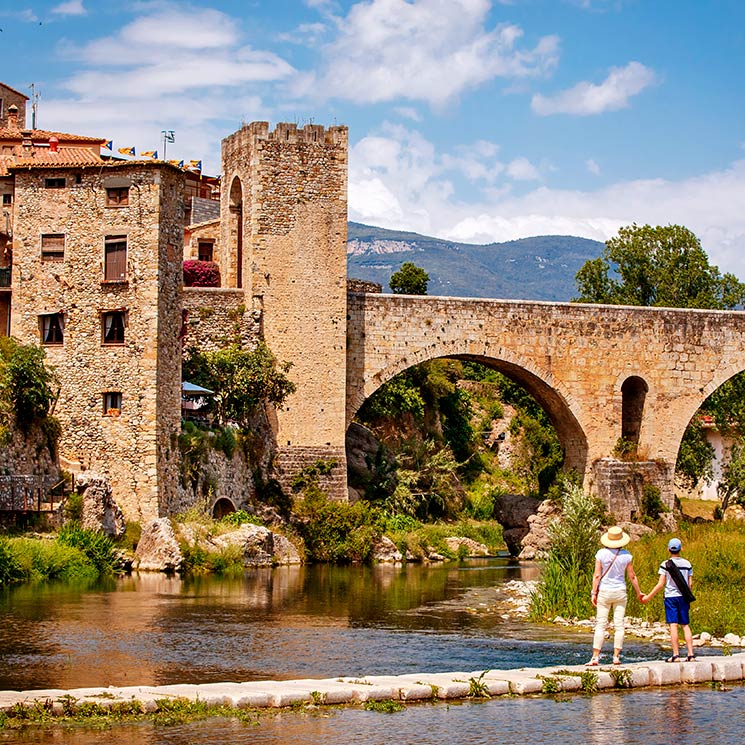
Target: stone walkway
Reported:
[(416, 687)]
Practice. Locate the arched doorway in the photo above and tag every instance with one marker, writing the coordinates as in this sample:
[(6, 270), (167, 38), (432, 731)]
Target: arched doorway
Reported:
[(634, 392), (222, 507)]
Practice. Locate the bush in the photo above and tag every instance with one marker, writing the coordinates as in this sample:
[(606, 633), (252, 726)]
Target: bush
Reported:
[(97, 546), (337, 531), (72, 507), (201, 273), (566, 576), (10, 570), (43, 560)]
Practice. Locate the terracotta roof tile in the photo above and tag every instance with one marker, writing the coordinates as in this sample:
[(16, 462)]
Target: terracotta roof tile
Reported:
[(43, 135)]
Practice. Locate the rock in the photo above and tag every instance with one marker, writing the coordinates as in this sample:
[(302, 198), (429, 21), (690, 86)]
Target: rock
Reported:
[(667, 522), (386, 552), (636, 530), (536, 542), (513, 511), (285, 551), (100, 511), (474, 548), (434, 556), (705, 637), (158, 550), (732, 639), (735, 512), (255, 542)]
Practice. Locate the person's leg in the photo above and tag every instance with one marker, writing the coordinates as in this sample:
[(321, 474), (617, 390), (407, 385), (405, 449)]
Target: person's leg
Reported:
[(674, 639), (688, 636), (619, 613), (601, 621)]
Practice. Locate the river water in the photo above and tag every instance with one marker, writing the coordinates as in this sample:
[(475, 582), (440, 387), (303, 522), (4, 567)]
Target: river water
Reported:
[(323, 621)]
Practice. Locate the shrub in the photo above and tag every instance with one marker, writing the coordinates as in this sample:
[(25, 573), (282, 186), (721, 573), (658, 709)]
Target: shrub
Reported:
[(72, 508), (201, 273), (97, 546), (10, 571)]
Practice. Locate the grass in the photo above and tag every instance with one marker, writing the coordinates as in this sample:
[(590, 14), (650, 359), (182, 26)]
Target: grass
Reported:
[(698, 508), (421, 538), (717, 552)]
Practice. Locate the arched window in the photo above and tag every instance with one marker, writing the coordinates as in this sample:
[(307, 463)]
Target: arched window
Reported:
[(236, 228), (634, 392)]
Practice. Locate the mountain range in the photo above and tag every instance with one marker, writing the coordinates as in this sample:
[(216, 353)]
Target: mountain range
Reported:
[(539, 268)]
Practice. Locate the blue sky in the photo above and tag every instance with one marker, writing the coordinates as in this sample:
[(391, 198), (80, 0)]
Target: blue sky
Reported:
[(473, 120)]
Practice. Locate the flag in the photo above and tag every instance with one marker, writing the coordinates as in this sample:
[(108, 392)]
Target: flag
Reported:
[(149, 154), (126, 150), (109, 144), (179, 163), (195, 164)]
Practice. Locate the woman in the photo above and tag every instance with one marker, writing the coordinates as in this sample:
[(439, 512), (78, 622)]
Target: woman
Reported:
[(612, 567)]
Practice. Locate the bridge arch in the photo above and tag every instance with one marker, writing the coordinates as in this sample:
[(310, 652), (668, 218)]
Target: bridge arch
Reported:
[(538, 383)]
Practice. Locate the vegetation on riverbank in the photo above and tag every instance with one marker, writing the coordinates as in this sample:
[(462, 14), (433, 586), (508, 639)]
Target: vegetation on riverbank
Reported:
[(74, 553), (716, 551)]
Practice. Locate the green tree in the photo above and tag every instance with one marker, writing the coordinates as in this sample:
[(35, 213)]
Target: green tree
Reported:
[(410, 279), (662, 266), (28, 388), (667, 267), (241, 380)]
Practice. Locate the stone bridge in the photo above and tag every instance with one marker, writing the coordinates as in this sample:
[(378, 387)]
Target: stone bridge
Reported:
[(600, 372)]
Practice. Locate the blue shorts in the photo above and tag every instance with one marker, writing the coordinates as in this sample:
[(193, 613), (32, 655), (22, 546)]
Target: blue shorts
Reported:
[(676, 610)]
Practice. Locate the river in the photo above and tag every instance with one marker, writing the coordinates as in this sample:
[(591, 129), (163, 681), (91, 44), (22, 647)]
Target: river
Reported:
[(324, 621)]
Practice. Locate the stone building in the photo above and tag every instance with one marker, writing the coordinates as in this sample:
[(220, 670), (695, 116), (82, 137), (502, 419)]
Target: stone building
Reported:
[(93, 251)]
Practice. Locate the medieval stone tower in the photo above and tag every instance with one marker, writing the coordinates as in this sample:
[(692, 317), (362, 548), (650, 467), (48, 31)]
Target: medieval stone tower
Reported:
[(283, 239)]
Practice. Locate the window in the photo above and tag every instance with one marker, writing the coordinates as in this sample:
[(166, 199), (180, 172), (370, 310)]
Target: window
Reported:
[(54, 183), (53, 247), (52, 328), (117, 196), (115, 258), (113, 324), (7, 199), (112, 403), (205, 250)]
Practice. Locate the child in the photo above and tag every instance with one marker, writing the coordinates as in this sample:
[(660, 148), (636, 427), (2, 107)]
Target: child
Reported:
[(676, 606)]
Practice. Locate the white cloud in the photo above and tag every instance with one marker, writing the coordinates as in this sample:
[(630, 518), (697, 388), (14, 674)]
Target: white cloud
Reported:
[(521, 169), (592, 166), (585, 98), (71, 8), (26, 15), (708, 204), (425, 50)]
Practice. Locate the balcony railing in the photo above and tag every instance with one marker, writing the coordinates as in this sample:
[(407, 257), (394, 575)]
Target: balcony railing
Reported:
[(25, 493)]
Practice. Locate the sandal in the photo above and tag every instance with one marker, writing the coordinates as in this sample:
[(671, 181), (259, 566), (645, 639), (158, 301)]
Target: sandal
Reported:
[(674, 658), (617, 660), (691, 658), (593, 662)]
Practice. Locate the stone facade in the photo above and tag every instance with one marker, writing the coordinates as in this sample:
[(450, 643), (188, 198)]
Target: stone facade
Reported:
[(119, 400), (9, 98)]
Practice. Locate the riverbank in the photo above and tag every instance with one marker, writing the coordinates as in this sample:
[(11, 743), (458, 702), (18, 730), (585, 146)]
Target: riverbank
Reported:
[(515, 604)]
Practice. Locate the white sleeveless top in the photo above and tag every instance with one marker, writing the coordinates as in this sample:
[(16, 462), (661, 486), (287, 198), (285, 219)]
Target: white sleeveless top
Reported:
[(615, 577)]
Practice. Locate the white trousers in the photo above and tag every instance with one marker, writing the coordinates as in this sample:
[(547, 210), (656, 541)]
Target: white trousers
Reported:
[(608, 599)]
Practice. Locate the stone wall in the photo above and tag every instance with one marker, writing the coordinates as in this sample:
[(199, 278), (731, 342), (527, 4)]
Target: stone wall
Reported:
[(135, 447), (217, 316), (289, 462), (9, 98)]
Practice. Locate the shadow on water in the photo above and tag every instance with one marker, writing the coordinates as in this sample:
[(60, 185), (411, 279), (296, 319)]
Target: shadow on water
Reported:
[(282, 623)]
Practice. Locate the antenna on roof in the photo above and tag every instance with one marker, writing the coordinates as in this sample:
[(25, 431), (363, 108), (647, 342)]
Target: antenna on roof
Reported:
[(34, 104)]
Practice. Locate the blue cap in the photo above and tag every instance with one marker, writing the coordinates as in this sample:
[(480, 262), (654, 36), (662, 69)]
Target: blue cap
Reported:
[(674, 545)]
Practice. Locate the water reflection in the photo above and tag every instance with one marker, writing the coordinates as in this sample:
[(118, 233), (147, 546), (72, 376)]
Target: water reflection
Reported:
[(288, 622)]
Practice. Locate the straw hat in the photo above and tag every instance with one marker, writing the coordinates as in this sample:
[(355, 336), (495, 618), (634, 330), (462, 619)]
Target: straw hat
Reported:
[(615, 537)]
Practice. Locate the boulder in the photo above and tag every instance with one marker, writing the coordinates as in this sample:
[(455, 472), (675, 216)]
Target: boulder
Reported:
[(285, 552), (636, 530), (512, 511), (474, 548), (734, 512), (255, 542), (100, 511), (536, 543), (386, 552), (158, 549)]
